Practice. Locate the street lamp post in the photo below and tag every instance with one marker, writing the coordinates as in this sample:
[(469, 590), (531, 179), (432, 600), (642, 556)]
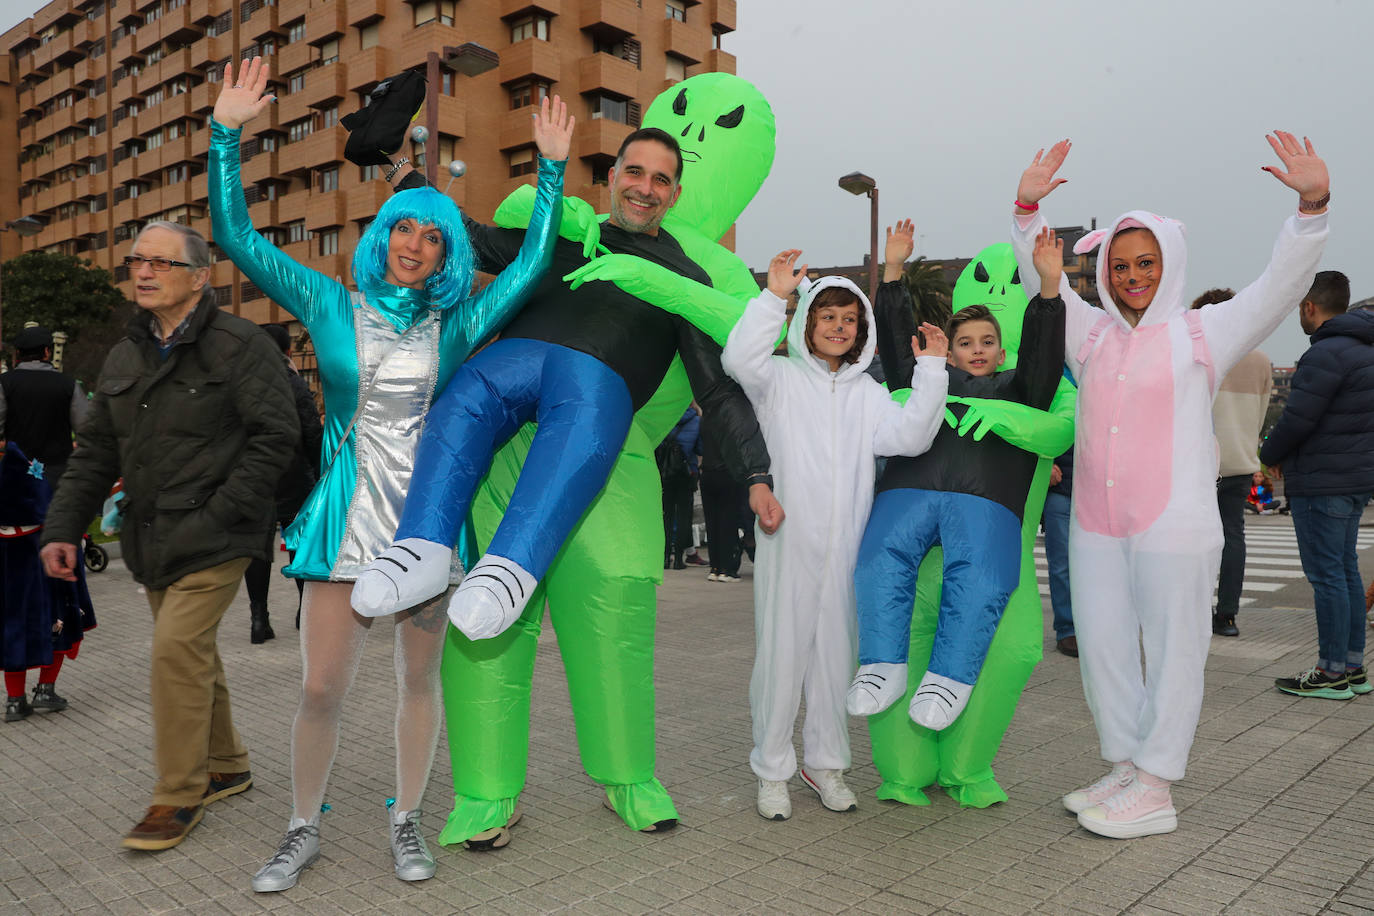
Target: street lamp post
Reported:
[(469, 59), (859, 183), (24, 227)]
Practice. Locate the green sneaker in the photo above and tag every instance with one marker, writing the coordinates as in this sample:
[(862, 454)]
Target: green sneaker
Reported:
[(1315, 682), (1358, 680)]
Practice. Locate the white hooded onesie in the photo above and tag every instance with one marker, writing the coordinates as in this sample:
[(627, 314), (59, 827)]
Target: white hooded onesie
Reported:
[(1145, 539), (824, 430)]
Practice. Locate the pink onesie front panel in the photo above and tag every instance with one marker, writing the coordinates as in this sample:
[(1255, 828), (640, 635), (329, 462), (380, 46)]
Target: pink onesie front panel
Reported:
[(1123, 464)]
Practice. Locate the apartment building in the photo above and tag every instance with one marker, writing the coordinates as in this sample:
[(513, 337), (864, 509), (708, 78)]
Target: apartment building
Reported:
[(112, 100)]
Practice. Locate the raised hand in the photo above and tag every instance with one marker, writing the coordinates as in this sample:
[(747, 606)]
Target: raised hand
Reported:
[(782, 280), (899, 247), (937, 344), (553, 129), (1049, 261), (243, 99), (1306, 172), (1038, 179)]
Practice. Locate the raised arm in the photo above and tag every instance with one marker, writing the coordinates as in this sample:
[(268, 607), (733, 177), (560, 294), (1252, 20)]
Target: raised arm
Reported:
[(1238, 325), (748, 356), (296, 288)]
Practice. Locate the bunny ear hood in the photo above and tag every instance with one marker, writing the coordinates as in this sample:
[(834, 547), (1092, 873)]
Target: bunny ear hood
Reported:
[(797, 349), (1168, 301)]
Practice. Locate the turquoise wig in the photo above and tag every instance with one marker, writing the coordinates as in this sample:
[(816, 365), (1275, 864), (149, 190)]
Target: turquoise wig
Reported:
[(452, 281)]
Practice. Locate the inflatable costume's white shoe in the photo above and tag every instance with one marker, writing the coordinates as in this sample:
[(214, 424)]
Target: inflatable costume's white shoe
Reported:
[(493, 595), (409, 572), (938, 701), (875, 688)]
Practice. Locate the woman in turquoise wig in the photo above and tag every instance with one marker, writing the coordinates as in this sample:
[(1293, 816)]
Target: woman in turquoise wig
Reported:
[(383, 351)]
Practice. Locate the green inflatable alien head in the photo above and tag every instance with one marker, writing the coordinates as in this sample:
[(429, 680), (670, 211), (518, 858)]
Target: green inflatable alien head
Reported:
[(992, 279), (726, 130)]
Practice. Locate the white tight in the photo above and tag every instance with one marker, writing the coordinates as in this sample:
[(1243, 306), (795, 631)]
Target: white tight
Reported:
[(332, 638)]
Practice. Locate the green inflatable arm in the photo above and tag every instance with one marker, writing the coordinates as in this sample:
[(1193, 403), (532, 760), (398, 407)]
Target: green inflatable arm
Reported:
[(709, 309), (1047, 434), (580, 222)]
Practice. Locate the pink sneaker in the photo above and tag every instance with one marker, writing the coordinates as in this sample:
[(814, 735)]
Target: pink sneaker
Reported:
[(1119, 778), (1137, 810)]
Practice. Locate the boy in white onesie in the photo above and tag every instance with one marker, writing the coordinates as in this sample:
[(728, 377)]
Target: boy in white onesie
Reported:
[(825, 420), (1145, 539)]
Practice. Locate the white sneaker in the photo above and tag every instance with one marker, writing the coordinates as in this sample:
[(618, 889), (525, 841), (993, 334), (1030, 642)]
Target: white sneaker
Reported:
[(409, 572), (492, 597), (1119, 778), (829, 785), (875, 688), (727, 577), (1137, 810), (774, 803), (938, 701), (713, 577)]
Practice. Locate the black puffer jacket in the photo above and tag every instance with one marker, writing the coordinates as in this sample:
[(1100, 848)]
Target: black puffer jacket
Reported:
[(200, 438), (1324, 439)]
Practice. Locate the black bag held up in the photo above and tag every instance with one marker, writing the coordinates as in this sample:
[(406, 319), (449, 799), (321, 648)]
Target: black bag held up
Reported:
[(379, 129)]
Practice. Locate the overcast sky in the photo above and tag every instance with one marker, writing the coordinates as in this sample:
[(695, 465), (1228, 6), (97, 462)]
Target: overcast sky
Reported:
[(943, 103)]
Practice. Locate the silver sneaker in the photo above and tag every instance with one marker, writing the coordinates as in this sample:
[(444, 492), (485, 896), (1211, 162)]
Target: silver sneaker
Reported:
[(298, 850), (413, 861)]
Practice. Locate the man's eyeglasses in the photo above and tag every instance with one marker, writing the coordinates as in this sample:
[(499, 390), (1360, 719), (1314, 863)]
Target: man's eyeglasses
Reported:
[(161, 265)]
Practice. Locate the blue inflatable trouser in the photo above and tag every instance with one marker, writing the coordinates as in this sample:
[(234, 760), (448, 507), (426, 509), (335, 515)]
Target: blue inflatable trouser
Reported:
[(583, 410), (982, 564)]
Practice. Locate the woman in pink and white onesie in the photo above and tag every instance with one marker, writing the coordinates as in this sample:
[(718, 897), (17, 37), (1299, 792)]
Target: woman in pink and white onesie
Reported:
[(1145, 539)]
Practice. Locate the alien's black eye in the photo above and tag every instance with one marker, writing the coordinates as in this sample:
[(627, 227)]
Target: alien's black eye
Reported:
[(980, 273), (731, 118), (680, 102), (1016, 277)]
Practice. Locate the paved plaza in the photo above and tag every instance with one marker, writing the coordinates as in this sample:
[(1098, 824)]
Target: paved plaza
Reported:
[(1274, 813)]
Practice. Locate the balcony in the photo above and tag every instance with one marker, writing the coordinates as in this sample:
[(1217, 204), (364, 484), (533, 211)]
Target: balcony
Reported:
[(203, 98), (611, 17), (86, 187), (362, 12), (685, 41), (293, 57), (122, 132), (718, 61), (263, 21), (319, 149), (261, 166), (601, 137), (63, 156), (291, 207), (323, 87), (325, 21), (326, 210), (289, 11), (603, 71), (263, 214), (50, 13), (124, 172), (368, 68), (125, 211), (364, 200), (88, 224), (200, 189), (147, 80), (83, 149), (84, 110), (84, 71), (201, 10), (453, 116), (515, 128), (83, 32), (530, 57), (28, 171), (45, 200), (149, 204), (147, 37), (207, 52), (175, 64), (178, 25), (61, 82), (721, 15)]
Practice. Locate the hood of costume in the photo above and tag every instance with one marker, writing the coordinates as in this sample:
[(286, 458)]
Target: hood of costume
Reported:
[(1169, 301), (801, 354)]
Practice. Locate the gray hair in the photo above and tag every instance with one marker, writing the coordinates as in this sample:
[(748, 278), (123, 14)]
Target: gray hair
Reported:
[(197, 249)]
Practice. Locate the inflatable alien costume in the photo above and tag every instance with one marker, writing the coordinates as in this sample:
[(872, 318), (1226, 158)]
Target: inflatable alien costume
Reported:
[(908, 756), (600, 585)]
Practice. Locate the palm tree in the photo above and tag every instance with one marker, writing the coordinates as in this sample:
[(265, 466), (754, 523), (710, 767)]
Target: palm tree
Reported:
[(930, 291)]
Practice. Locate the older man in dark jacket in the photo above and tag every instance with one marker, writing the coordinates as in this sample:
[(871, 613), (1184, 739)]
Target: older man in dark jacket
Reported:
[(193, 409), (1323, 446)]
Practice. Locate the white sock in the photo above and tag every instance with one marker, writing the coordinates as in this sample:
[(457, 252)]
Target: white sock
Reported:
[(875, 688), (938, 701), (410, 571), (492, 597)]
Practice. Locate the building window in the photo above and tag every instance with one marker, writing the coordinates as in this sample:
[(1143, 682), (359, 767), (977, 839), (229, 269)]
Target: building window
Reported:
[(329, 242), (152, 14), (608, 107), (522, 162), (601, 171), (534, 25), (675, 69), (296, 231), (368, 35), (329, 117), (369, 173), (295, 82), (299, 130), (529, 92), (329, 179), (675, 9), (329, 52), (296, 32), (176, 174), (153, 140), (268, 142), (430, 10)]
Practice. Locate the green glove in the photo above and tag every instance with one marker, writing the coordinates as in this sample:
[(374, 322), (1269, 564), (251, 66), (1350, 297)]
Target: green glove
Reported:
[(712, 311)]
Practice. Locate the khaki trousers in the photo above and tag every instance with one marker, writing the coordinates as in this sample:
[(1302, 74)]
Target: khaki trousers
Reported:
[(193, 730)]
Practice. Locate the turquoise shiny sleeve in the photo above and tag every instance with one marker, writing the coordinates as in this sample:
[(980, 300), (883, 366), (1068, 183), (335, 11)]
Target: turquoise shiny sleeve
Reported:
[(502, 298), (296, 288)]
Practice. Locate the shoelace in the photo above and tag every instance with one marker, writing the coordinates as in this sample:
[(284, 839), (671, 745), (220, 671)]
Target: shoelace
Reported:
[(1127, 798), (1114, 779), (408, 839), (291, 845)]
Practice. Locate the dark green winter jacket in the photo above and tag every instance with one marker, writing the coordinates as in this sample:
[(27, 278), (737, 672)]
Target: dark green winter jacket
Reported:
[(200, 438)]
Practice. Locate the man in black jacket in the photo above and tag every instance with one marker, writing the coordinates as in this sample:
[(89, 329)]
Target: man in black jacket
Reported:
[(1323, 447), (40, 407), (193, 409)]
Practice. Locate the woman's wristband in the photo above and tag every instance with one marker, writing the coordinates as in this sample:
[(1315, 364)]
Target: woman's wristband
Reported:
[(1314, 206)]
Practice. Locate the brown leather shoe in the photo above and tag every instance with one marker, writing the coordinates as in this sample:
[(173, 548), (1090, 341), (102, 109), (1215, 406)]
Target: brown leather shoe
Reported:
[(1068, 646), (163, 827), (223, 785)]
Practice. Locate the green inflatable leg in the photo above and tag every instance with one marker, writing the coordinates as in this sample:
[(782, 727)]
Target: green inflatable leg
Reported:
[(906, 754)]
